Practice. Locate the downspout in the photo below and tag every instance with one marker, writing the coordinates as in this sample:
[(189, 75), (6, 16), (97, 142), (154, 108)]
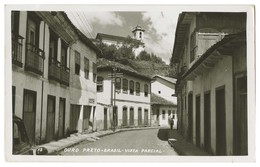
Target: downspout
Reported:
[(42, 84)]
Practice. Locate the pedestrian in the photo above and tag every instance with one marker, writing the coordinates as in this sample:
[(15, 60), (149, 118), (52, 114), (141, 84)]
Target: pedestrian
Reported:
[(171, 123)]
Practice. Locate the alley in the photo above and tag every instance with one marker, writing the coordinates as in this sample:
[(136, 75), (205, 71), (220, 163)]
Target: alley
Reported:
[(137, 142)]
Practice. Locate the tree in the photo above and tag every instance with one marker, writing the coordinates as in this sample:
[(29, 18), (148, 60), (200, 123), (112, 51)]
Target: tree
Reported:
[(143, 55)]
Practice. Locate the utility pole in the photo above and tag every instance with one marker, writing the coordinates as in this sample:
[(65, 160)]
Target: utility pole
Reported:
[(115, 77)]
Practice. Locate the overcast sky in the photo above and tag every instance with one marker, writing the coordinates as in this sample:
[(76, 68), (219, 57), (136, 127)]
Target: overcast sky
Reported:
[(159, 27)]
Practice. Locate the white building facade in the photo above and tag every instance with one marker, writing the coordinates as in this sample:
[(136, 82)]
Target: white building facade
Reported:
[(164, 101), (129, 94)]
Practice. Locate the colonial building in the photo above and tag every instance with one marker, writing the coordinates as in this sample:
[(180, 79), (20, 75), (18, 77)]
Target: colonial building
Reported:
[(164, 102), (43, 81), (123, 96), (210, 52), (83, 94)]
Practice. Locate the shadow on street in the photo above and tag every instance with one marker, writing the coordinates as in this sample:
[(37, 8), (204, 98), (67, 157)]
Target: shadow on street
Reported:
[(163, 134)]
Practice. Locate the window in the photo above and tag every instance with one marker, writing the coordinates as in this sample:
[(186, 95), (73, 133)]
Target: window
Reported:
[(125, 86), (193, 46), (86, 67), (163, 114), (131, 85), (64, 59), (100, 84), (140, 35), (145, 90), (137, 88), (94, 72), (118, 84), (169, 112), (77, 62), (53, 47)]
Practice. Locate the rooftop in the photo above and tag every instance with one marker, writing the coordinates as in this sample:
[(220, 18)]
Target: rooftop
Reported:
[(169, 79), (157, 100), (104, 64)]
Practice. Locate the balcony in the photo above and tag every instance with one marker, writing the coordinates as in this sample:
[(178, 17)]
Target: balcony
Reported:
[(34, 59), (54, 70), (65, 75), (17, 44)]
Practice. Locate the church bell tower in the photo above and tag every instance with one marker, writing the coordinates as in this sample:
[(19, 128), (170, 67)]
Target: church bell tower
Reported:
[(138, 33)]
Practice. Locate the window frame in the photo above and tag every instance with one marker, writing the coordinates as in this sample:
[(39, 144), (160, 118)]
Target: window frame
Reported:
[(131, 87), (86, 67), (77, 64), (146, 90), (100, 83), (125, 86), (137, 88)]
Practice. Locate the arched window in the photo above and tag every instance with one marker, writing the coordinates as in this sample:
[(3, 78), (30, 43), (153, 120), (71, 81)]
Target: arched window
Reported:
[(100, 84), (145, 90), (131, 87), (137, 88), (125, 86)]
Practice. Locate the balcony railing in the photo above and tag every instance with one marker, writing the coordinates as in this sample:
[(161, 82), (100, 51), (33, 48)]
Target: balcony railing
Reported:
[(54, 70), (17, 45), (65, 75), (34, 59)]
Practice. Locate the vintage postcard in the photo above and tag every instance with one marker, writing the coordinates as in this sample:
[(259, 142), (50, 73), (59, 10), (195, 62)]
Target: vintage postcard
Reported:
[(130, 83)]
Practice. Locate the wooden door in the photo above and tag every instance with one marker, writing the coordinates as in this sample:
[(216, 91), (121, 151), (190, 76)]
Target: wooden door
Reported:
[(29, 114), (220, 122), (50, 128), (207, 122), (146, 117), (124, 116), (74, 118), (132, 122), (105, 118), (62, 117), (139, 116), (240, 117), (190, 116), (198, 121), (86, 117)]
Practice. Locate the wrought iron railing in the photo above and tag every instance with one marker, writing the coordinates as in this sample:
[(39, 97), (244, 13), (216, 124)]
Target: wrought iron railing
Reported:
[(65, 75), (54, 70), (34, 59), (17, 45)]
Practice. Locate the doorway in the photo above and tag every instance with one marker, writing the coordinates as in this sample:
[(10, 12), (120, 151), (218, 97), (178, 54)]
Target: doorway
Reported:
[(207, 122), (220, 121), (62, 117), (190, 116), (50, 128), (198, 120)]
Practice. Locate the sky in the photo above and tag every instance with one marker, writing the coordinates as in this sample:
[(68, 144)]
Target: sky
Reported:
[(159, 27)]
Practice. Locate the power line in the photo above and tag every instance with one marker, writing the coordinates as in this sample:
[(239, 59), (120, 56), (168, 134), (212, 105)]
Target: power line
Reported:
[(81, 24), (89, 25), (78, 23), (84, 25)]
